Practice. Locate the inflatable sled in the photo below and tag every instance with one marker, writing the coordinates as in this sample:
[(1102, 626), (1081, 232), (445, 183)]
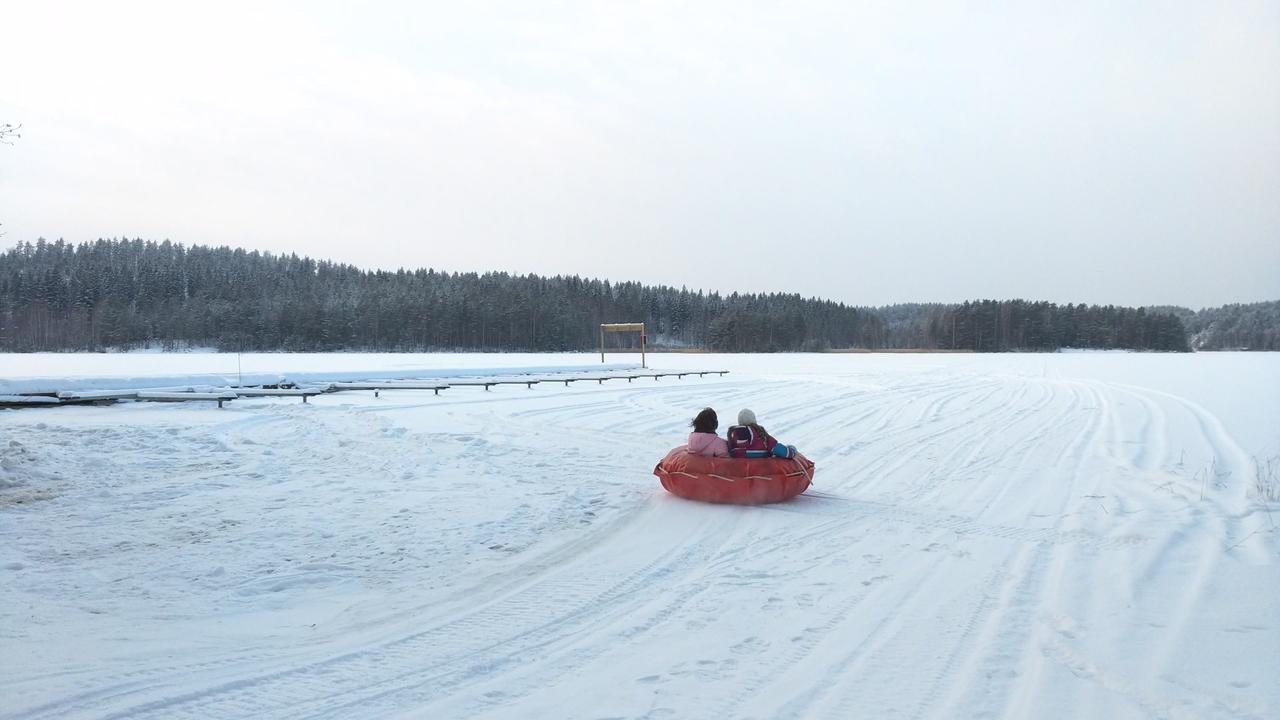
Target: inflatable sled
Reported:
[(742, 481)]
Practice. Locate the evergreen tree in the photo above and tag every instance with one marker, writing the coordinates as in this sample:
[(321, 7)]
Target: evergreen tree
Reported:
[(119, 294)]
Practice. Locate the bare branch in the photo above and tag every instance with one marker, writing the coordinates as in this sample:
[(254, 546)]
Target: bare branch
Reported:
[(9, 132)]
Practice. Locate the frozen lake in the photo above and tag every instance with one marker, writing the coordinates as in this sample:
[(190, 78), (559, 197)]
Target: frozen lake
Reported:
[(1077, 535)]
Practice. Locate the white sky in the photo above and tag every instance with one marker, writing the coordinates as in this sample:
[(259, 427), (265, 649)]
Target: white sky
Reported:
[(870, 153)]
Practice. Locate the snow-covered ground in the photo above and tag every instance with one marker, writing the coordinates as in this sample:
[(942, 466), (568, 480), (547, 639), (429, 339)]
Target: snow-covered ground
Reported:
[(1010, 536)]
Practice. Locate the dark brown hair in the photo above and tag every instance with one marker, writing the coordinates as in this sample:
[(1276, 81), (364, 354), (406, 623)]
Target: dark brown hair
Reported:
[(706, 421)]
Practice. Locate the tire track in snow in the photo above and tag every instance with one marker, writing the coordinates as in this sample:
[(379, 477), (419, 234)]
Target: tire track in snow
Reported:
[(878, 667), (938, 679), (981, 615), (774, 671), (903, 447), (1056, 641), (988, 684), (301, 433), (966, 526), (481, 642)]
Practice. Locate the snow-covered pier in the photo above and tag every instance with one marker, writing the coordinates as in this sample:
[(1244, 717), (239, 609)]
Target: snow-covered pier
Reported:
[(311, 387), (378, 386), (530, 382)]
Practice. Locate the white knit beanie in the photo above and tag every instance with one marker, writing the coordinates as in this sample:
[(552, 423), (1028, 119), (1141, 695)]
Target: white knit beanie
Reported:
[(746, 417)]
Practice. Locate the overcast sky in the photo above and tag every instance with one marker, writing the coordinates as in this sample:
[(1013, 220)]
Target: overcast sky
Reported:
[(1101, 152)]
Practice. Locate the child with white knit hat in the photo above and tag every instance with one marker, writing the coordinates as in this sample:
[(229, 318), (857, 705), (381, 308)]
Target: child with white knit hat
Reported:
[(748, 439)]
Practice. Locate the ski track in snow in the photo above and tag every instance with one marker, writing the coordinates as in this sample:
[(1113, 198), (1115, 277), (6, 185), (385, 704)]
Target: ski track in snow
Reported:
[(985, 540)]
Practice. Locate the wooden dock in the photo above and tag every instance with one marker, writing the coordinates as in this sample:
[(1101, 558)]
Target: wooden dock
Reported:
[(222, 395), (278, 392), (377, 386), (487, 383)]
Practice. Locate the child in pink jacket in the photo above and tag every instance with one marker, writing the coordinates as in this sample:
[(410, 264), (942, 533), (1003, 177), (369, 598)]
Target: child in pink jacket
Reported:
[(703, 440)]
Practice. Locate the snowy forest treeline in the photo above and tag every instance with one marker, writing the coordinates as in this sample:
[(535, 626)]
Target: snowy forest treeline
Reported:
[(122, 294)]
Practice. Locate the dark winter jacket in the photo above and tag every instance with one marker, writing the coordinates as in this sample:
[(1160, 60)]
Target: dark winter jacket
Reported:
[(747, 441)]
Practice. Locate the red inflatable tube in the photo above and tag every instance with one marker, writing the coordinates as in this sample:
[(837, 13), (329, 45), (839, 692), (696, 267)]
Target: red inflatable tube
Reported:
[(747, 481)]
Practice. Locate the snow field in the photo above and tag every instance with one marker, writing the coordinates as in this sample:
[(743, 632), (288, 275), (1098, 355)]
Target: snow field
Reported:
[(988, 536)]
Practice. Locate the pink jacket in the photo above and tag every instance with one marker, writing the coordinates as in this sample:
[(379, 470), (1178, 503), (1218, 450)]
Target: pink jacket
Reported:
[(708, 445)]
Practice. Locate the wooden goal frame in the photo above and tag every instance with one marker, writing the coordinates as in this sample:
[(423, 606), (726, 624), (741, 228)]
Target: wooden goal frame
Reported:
[(623, 327)]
